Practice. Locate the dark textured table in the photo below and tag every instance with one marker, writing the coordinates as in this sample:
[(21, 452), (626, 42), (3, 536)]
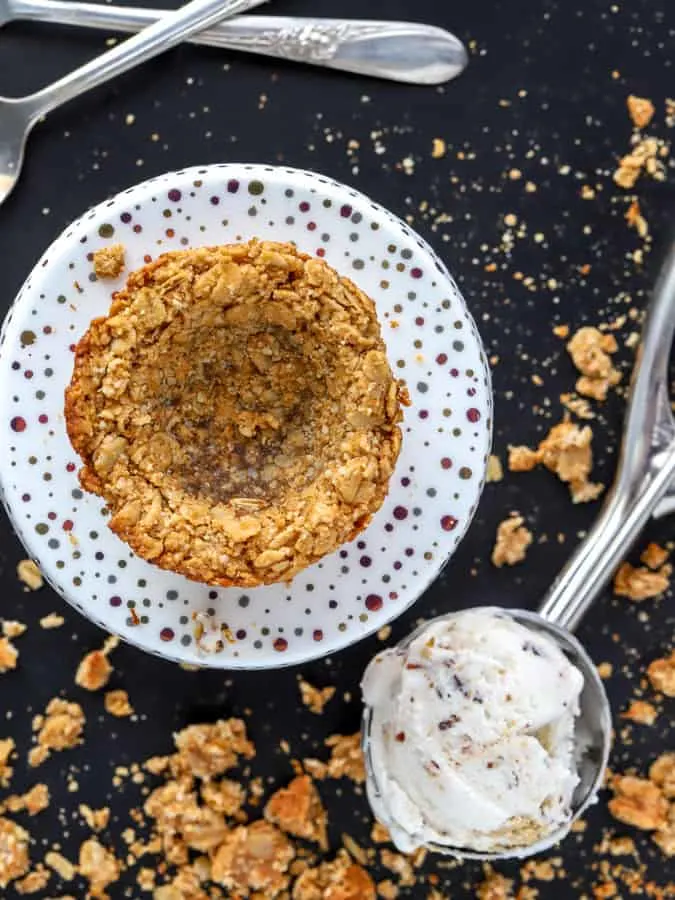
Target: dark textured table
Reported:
[(544, 94)]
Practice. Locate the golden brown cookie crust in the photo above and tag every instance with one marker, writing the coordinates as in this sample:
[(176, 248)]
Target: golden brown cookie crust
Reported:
[(236, 411)]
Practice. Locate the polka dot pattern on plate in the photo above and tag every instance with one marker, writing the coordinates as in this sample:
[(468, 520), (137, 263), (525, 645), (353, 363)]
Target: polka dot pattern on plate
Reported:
[(432, 344)]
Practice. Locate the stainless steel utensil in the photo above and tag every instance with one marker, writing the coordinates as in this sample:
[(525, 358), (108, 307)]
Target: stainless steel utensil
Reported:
[(646, 471), (400, 51), (645, 476), (19, 115)]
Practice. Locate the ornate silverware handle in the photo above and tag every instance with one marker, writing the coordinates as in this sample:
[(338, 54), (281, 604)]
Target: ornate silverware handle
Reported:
[(646, 467), (153, 40), (401, 51)]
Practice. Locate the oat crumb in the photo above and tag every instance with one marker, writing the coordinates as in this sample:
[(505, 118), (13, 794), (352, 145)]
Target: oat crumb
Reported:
[(29, 575), (654, 556), (641, 712), (346, 757), (495, 887), (638, 802), (52, 620), (565, 451), (14, 856), (636, 220), (254, 857), (297, 810), (62, 866), (314, 698), (95, 669), (495, 470), (117, 703), (34, 881), (605, 670), (7, 747), (379, 834), (640, 110), (513, 539), (639, 583), (661, 674), (59, 729), (9, 655), (591, 352), (96, 819), (109, 261), (340, 879), (99, 866)]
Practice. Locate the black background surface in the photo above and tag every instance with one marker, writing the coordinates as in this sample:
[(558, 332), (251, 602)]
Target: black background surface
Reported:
[(564, 125)]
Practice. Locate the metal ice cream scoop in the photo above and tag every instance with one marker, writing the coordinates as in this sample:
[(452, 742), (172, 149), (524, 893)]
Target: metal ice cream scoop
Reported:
[(644, 486)]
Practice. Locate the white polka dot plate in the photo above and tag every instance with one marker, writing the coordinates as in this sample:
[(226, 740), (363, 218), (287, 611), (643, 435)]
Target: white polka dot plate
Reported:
[(432, 343)]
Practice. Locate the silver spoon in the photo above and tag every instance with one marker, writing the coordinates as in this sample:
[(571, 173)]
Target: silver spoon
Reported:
[(19, 115), (400, 51), (645, 475)]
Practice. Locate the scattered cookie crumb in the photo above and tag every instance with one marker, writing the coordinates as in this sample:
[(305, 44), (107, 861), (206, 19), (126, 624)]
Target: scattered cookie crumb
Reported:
[(346, 757), (578, 406), (495, 470), (644, 157), (495, 887), (565, 451), (438, 148), (654, 555), (62, 866), (95, 669), (640, 110), (34, 881), (96, 819), (591, 351), (117, 704), (99, 866), (641, 712), (12, 629), (314, 698), (638, 802), (29, 575), (297, 810), (379, 834), (33, 801), (253, 858), (59, 729), (52, 620), (639, 583), (14, 856), (340, 879), (661, 674), (9, 656), (513, 539), (109, 261), (636, 220), (7, 747)]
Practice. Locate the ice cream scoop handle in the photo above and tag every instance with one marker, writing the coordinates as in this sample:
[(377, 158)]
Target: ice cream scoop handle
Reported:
[(645, 471), (603, 550)]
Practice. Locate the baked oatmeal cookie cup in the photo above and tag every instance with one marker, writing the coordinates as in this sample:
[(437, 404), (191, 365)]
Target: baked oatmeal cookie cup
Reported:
[(236, 411)]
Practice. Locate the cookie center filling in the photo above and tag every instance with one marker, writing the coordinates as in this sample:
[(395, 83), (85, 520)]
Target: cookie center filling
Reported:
[(243, 409)]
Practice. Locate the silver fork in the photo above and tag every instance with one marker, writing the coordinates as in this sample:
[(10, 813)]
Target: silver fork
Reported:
[(19, 115), (400, 51)]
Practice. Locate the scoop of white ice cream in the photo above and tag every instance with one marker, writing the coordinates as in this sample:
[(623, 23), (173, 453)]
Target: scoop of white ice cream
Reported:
[(471, 735)]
